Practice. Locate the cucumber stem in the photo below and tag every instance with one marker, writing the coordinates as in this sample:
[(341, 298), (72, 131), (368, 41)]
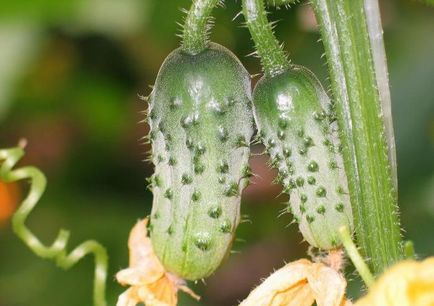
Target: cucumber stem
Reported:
[(271, 54), (197, 26), (350, 38)]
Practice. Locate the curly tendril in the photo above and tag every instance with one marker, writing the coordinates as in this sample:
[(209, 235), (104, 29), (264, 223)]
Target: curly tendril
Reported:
[(57, 251), (273, 58)]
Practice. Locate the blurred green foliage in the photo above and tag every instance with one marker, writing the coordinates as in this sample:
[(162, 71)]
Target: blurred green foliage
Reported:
[(70, 73)]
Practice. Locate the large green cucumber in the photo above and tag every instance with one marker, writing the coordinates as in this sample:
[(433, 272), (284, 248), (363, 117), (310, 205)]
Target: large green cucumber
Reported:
[(296, 124), (201, 125)]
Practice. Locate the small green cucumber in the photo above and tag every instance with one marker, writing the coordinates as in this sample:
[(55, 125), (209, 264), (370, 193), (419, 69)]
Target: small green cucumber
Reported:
[(201, 121), (296, 124)]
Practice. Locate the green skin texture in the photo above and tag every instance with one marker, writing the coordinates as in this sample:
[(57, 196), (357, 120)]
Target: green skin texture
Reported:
[(201, 121), (296, 124)]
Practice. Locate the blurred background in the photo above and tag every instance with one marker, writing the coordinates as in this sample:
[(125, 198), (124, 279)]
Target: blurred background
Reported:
[(70, 75)]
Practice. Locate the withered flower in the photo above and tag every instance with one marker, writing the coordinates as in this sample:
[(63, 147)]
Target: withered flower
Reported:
[(149, 282), (300, 283)]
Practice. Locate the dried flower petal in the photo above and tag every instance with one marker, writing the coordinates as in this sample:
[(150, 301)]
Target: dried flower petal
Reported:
[(408, 283), (327, 284), (300, 283), (150, 282)]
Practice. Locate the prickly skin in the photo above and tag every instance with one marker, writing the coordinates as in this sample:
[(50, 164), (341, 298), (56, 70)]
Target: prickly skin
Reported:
[(296, 124), (201, 123)]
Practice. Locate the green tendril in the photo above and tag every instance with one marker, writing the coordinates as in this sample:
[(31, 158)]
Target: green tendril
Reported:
[(197, 26), (273, 58), (355, 256), (57, 251)]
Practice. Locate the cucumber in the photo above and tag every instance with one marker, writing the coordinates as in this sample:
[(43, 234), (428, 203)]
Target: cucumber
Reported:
[(201, 124), (296, 123)]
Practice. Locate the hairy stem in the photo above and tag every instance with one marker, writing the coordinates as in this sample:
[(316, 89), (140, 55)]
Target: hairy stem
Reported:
[(57, 251), (357, 77), (196, 26), (273, 58), (375, 31), (277, 3)]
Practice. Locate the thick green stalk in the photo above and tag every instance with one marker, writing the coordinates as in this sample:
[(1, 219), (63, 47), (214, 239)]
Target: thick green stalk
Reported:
[(352, 43), (197, 25), (57, 251), (273, 58), (375, 32)]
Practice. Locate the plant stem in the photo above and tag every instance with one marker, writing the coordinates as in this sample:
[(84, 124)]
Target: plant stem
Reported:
[(273, 58), (57, 251), (197, 26), (277, 3), (355, 256), (375, 30), (356, 78)]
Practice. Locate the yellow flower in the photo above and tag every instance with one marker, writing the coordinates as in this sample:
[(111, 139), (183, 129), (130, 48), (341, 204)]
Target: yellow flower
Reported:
[(300, 283), (408, 283), (150, 283)]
